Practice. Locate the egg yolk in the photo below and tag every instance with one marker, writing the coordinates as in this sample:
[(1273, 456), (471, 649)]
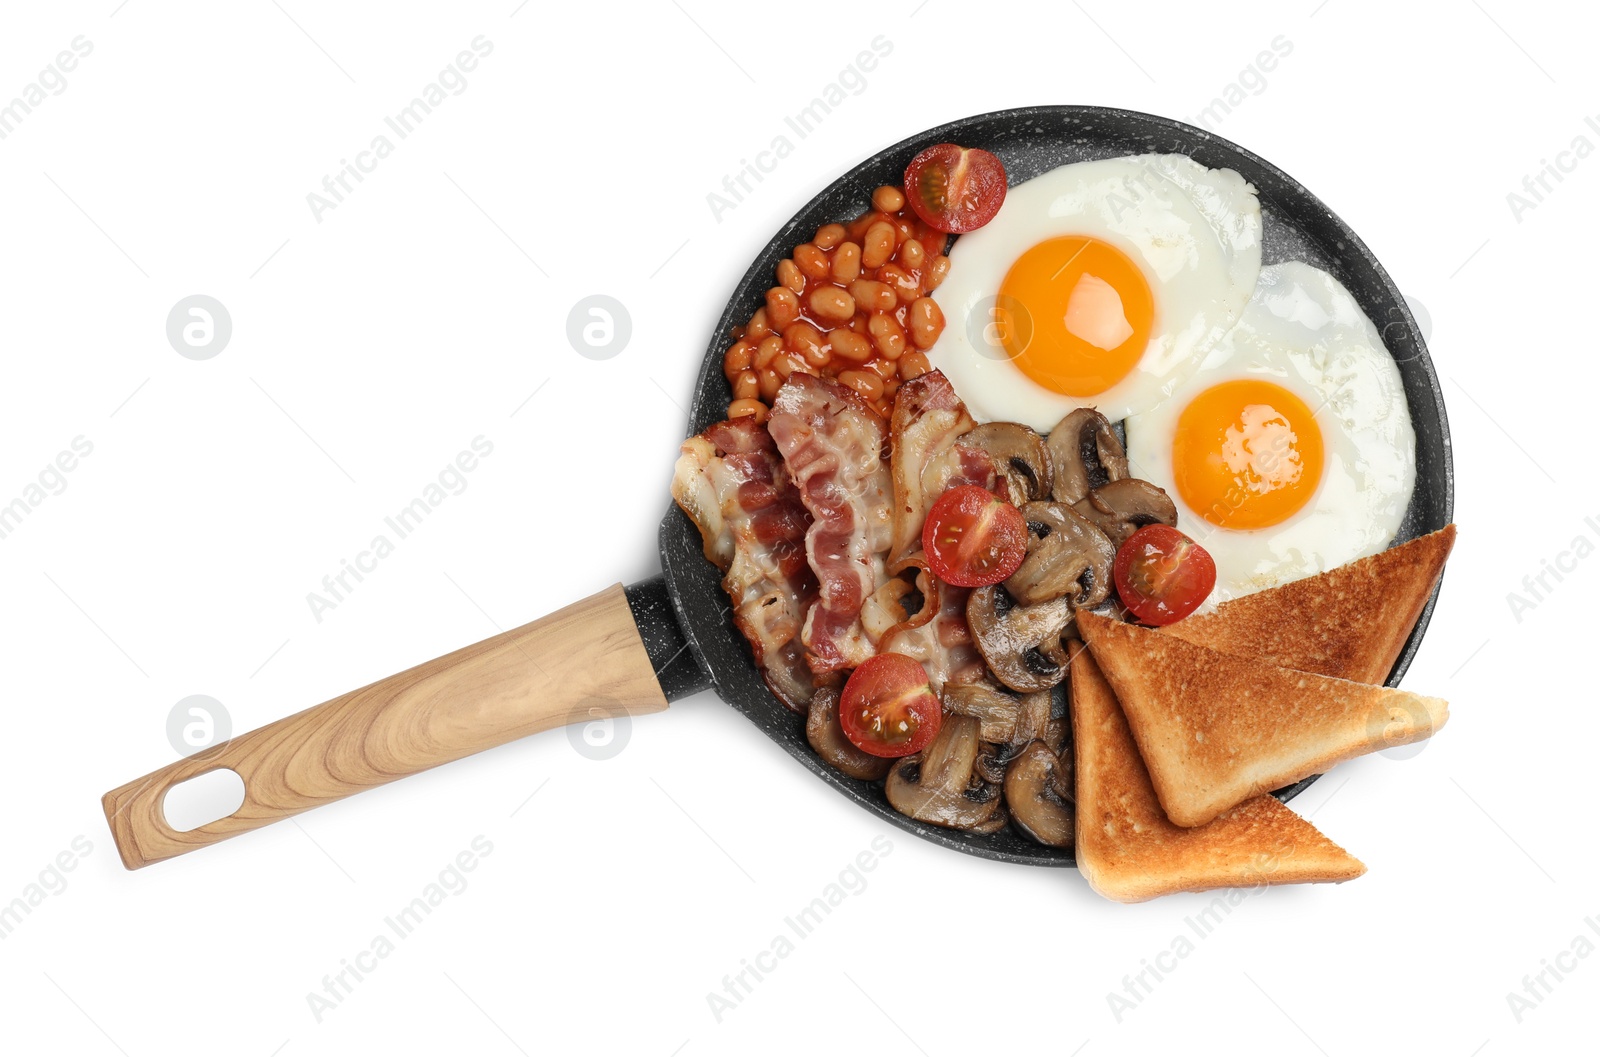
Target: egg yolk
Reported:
[(1074, 314), (1247, 454)]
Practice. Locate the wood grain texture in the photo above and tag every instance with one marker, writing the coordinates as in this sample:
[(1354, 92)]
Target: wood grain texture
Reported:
[(580, 663)]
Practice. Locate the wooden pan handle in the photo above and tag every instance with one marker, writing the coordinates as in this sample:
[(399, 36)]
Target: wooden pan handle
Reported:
[(549, 673)]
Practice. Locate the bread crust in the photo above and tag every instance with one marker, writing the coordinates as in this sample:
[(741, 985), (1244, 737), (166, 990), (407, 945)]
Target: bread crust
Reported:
[(1216, 729), (1130, 852), (1350, 622)]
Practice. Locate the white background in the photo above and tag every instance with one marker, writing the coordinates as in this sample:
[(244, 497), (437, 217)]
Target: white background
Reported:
[(372, 346)]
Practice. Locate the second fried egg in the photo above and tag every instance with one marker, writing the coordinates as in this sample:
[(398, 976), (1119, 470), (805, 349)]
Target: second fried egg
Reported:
[(1290, 451)]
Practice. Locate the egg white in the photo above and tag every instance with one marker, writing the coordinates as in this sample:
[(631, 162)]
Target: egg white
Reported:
[(1194, 232), (1304, 331)]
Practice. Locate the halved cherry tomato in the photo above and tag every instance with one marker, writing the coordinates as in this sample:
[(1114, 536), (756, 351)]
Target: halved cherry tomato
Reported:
[(973, 538), (956, 189), (1162, 575), (887, 708)]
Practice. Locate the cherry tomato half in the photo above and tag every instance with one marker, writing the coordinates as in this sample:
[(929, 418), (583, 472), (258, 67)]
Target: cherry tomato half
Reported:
[(887, 708), (955, 189), (1162, 575), (973, 538)]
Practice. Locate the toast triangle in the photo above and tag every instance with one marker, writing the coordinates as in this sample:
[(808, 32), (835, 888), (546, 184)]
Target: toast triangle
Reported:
[(1127, 849), (1216, 729), (1350, 622)]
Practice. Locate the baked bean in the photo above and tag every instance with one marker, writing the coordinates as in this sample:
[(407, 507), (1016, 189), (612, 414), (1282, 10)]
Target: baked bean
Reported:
[(747, 386), (849, 344), (829, 236), (805, 339), (757, 327), (926, 321), (767, 351), (869, 385), (789, 275), (771, 383), (913, 365), (837, 310), (877, 244), (783, 307), (847, 263), (737, 358), (831, 304), (887, 335), (786, 363), (905, 285), (872, 296), (884, 369), (811, 261)]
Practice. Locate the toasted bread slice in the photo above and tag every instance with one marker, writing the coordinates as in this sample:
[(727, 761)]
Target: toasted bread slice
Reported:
[(1130, 852), (1216, 729), (1350, 622)]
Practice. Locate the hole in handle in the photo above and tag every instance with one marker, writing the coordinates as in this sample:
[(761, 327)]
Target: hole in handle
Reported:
[(204, 798)]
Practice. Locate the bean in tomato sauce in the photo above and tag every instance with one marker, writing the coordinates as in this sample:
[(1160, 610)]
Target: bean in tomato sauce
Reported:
[(852, 304)]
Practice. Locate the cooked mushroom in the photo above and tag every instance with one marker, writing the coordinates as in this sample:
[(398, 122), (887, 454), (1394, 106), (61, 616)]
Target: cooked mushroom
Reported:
[(1033, 717), (937, 785), (1056, 735), (1067, 557), (990, 766), (1019, 456), (827, 737), (995, 710), (1039, 791), (1007, 723), (1121, 508), (1086, 454), (1020, 644)]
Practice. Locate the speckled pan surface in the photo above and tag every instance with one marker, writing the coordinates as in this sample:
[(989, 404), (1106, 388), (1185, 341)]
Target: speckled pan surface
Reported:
[(1031, 141)]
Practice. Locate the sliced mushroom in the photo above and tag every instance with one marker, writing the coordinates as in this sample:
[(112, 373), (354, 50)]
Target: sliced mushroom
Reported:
[(1020, 644), (1121, 508), (995, 710), (1019, 456), (1001, 817), (1085, 453), (990, 766), (1039, 792), (827, 737), (1067, 557), (1033, 717), (937, 785), (1056, 735)]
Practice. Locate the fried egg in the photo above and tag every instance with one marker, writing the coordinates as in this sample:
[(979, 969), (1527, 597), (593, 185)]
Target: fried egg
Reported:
[(1290, 451), (1098, 284)]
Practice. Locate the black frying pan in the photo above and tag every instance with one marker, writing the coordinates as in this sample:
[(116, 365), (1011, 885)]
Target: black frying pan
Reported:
[(405, 723)]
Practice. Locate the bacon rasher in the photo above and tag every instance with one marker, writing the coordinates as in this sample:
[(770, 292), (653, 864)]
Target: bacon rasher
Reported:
[(733, 485), (925, 460), (833, 448)]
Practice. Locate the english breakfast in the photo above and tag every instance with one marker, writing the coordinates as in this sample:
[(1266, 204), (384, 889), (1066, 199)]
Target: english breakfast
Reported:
[(1080, 524)]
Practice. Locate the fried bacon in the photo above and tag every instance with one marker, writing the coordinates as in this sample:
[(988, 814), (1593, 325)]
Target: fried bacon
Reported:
[(937, 635), (732, 484), (833, 448), (925, 459)]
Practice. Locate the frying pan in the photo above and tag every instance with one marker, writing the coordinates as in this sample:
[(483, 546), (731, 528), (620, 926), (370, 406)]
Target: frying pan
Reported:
[(632, 650)]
